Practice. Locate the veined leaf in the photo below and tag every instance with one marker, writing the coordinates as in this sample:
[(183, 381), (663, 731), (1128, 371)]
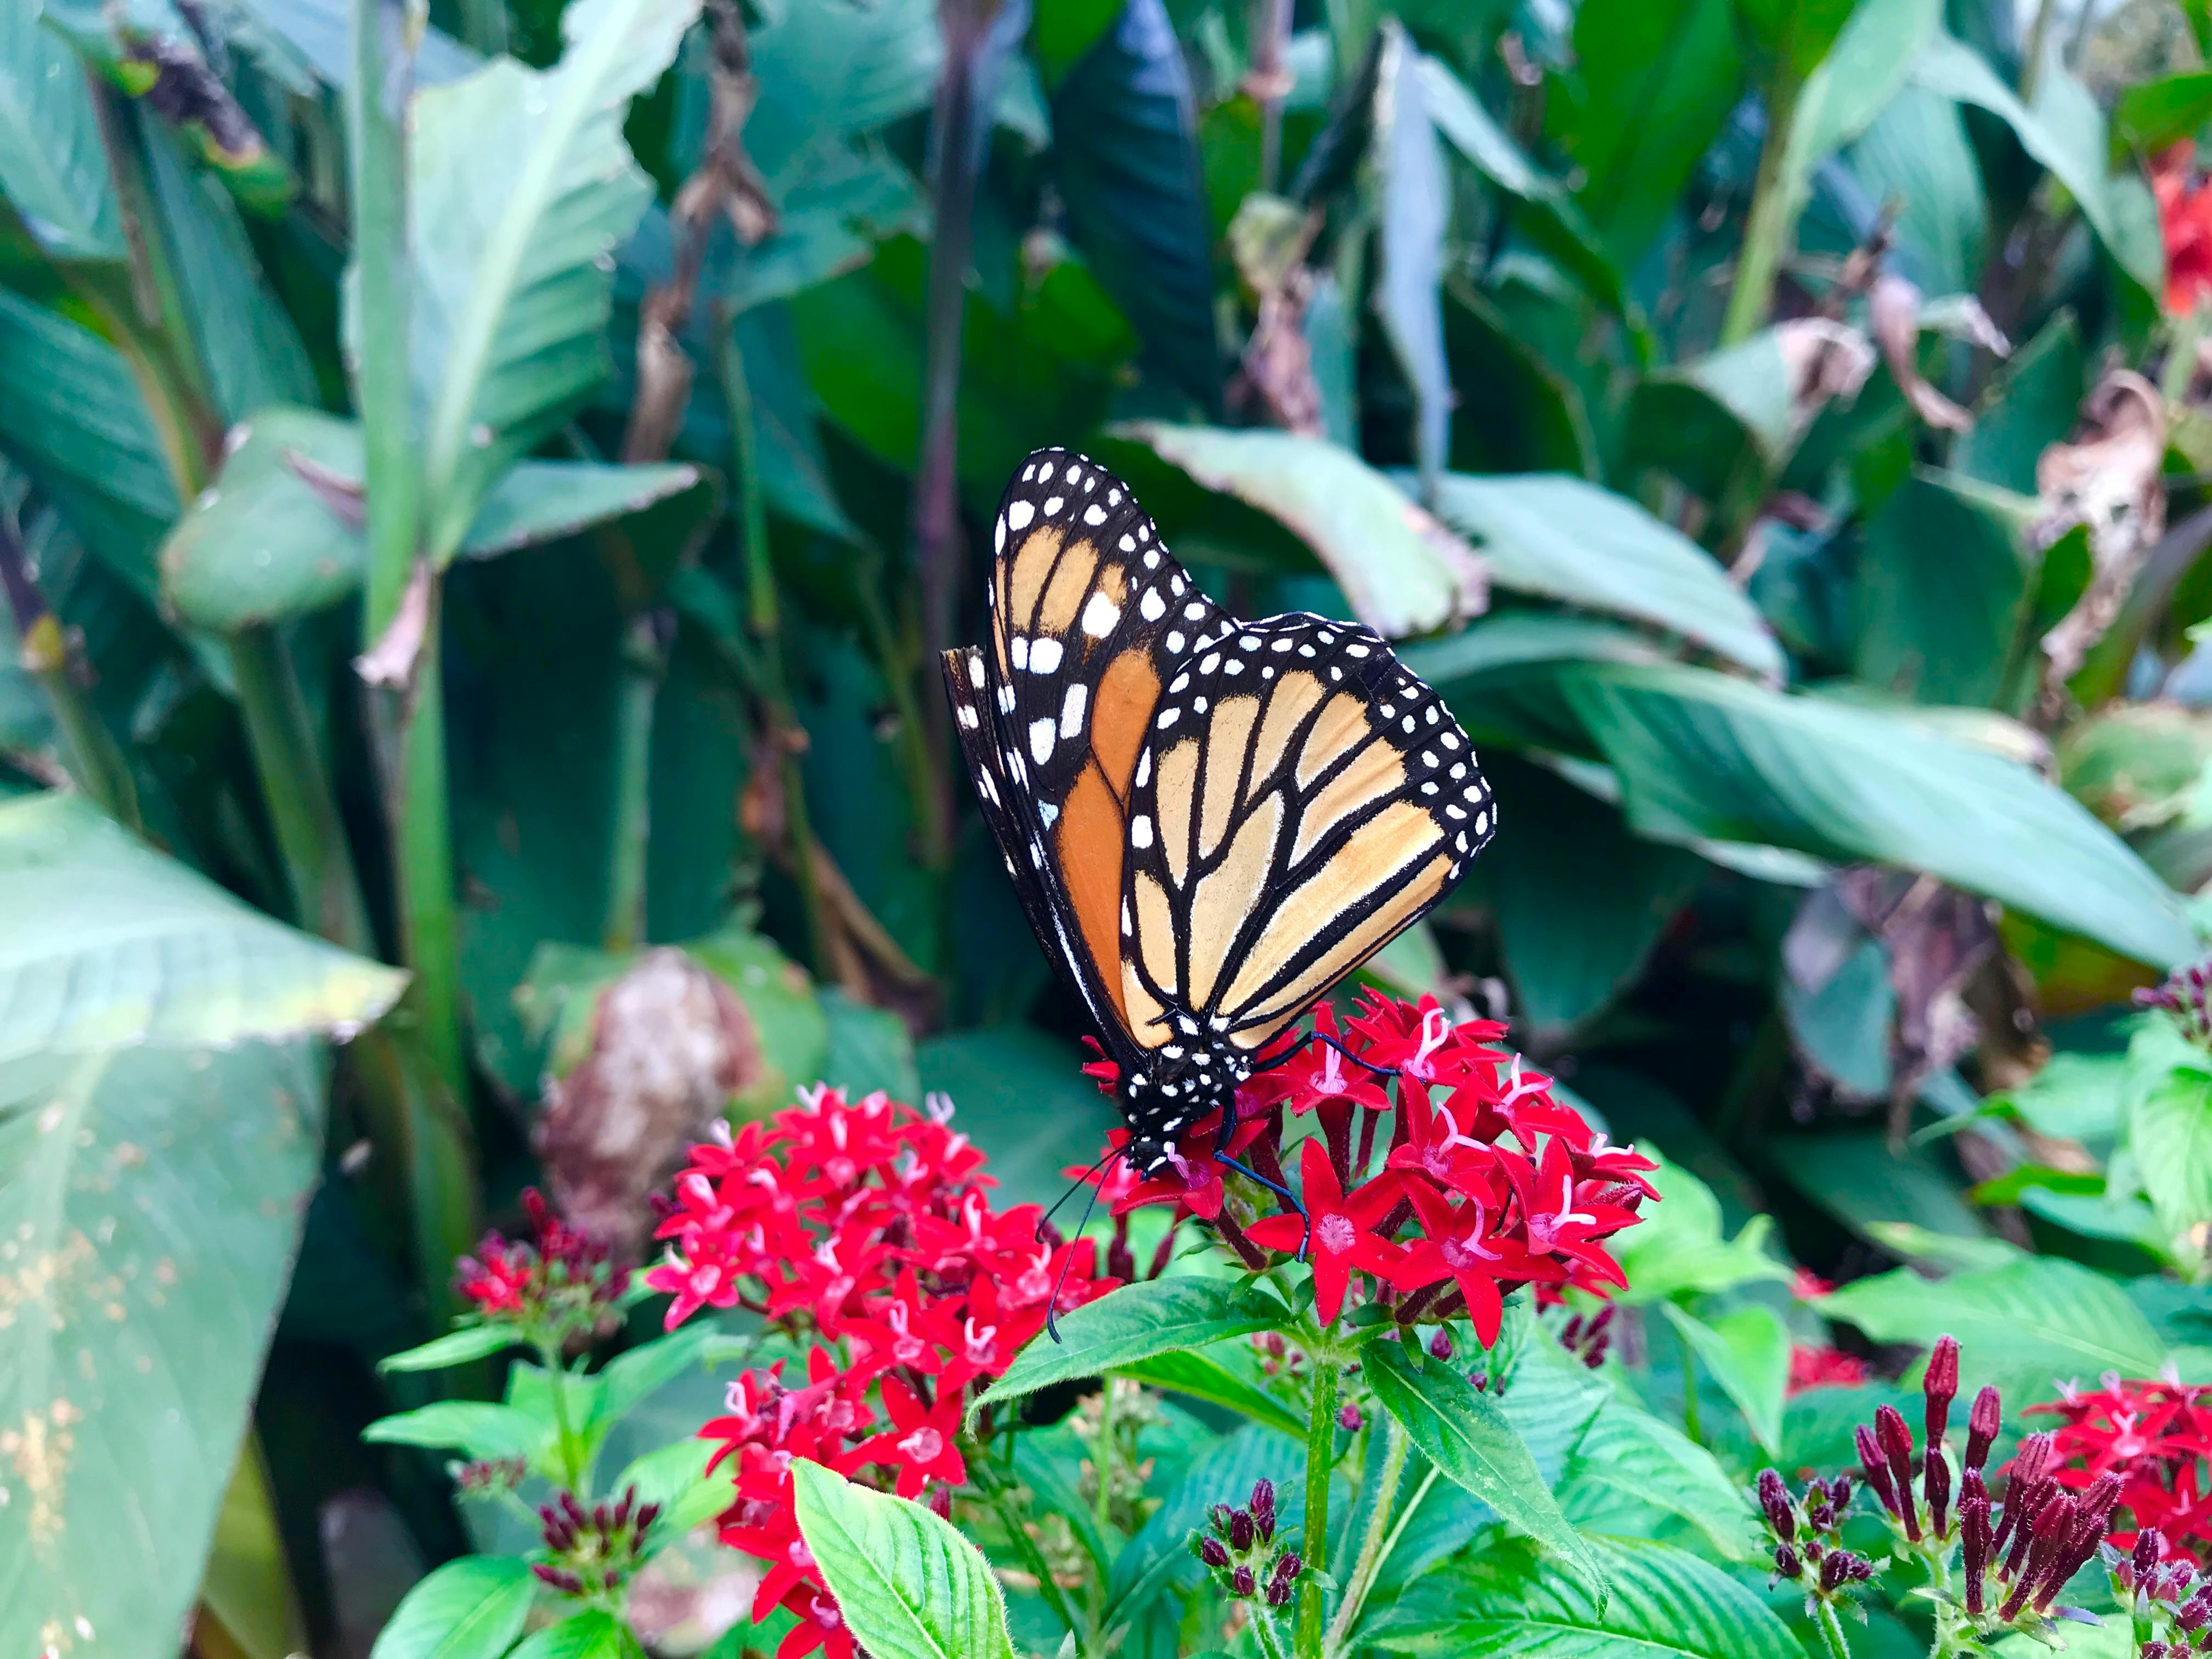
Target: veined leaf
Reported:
[(1700, 754), (1747, 1351), (1629, 1453), (454, 1348), (152, 1200), (522, 187), (53, 171), (1132, 1324), (476, 1429), (1573, 541), (1462, 1431), (471, 1608), (908, 1585), (1404, 572), (589, 1633), (1678, 1248), (146, 950), (1202, 1377), (2169, 1121), (1513, 1601)]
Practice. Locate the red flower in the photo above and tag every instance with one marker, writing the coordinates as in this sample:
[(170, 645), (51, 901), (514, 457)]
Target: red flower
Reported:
[(1461, 1244), (1823, 1367), (1564, 1217), (1343, 1232), (2156, 1436), (2184, 221), (922, 1440), (554, 1284)]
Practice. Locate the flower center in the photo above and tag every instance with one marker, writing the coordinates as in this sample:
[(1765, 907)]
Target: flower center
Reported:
[(924, 1445), (1335, 1233)]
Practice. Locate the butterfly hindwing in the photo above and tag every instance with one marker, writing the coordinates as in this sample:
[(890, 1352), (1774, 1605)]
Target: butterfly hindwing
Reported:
[(1302, 799)]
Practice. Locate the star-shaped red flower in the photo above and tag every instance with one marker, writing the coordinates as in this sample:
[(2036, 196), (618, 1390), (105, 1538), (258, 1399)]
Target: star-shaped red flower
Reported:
[(1343, 1228)]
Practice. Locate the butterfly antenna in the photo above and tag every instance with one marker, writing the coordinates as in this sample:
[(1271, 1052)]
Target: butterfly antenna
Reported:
[(1052, 1308), (1074, 1187), (1276, 1187)]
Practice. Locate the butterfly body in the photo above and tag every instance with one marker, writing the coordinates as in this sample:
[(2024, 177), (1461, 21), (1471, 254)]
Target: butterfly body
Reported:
[(1209, 820)]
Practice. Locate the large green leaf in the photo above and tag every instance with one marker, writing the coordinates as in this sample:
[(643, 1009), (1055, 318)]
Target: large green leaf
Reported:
[(1404, 572), (151, 1198), (53, 171), (1854, 80), (1573, 541), (1627, 1455), (1747, 1352), (1126, 151), (1511, 1602), (908, 1585), (279, 534), (1464, 1433), (110, 943), (1798, 33), (522, 187), (1679, 1248), (1944, 584), (2031, 405), (1411, 197), (588, 1633), (2154, 114), (1700, 754), (471, 1608), (2169, 1122), (1134, 1323), (1916, 153), (2023, 1325), (2065, 132), (1653, 80), (827, 63), (1219, 1377), (1022, 1097)]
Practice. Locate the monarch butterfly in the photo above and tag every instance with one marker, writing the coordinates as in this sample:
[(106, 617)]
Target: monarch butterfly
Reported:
[(1209, 822)]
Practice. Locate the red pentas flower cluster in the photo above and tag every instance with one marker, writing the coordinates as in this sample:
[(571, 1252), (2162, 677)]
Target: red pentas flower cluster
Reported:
[(1485, 1182), (559, 1283), (2155, 1437), (863, 1230)]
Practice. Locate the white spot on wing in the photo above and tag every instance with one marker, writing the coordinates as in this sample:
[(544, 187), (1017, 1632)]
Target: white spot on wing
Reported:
[(1140, 832), (1019, 514), (1071, 710), (1100, 614), (1044, 657), (1040, 740)]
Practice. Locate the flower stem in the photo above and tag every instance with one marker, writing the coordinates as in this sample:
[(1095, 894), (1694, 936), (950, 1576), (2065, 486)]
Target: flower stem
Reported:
[(1321, 1463), (994, 1491), (1773, 214), (572, 1450), (1263, 1629), (1102, 1455), (1690, 1424), (1831, 1631), (1375, 1545)]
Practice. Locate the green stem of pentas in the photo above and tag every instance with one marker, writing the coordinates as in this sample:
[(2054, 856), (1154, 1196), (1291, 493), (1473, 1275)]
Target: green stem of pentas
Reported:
[(556, 1386), (1831, 1631), (1321, 1463), (1690, 1424), (1766, 233)]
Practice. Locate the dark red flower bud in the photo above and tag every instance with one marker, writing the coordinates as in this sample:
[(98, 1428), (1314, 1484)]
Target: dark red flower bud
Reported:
[(2149, 1550), (1935, 1482), (1774, 1498), (940, 1500), (1289, 1565), (1263, 1507), (1941, 1386), (2046, 1538), (1242, 1582), (1983, 1423), (1279, 1591), (1841, 1567), (1896, 1442), (1211, 1553), (1821, 1514), (647, 1515), (1481, 1380), (1839, 1492), (1348, 1417), (1440, 1345), (2030, 1461), (1240, 1531), (2196, 1613), (1875, 1467), (1974, 1540), (1786, 1564)]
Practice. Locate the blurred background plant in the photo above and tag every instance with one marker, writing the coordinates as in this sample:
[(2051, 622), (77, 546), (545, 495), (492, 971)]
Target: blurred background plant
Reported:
[(479, 495)]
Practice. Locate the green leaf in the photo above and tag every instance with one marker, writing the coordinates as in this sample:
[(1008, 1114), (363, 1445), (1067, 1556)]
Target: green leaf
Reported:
[(1063, 30), (1717, 417), (1403, 571), (146, 950), (2065, 132), (909, 1586), (1846, 87), (1124, 147), (1942, 596), (2020, 1326), (151, 1198), (1574, 542), (53, 170), (522, 188), (2169, 1122), (2030, 406), (676, 1477), (1652, 83), (1677, 1248), (1204, 1377), (1916, 153), (1798, 32), (1019, 1095), (591, 1633), (1411, 200), (1511, 1600), (2154, 114), (471, 1608), (1464, 1434), (454, 1348), (1627, 1453), (1554, 223), (870, 1049), (1136, 1323), (279, 534), (1747, 1351), (1533, 416), (630, 1378), (475, 1428), (1700, 754)]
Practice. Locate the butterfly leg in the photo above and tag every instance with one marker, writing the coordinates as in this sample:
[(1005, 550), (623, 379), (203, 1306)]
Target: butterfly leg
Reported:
[(1327, 1042), (1226, 1138)]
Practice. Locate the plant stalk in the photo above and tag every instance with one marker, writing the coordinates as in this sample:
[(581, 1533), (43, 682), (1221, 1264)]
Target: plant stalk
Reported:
[(1690, 1423), (644, 663), (94, 759), (1773, 215), (1320, 1466), (571, 1450), (995, 1494), (1831, 1631), (1374, 1544), (302, 809)]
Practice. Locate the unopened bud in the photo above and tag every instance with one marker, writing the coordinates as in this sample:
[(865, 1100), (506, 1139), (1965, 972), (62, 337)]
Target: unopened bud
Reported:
[(1211, 1553), (1941, 1386), (1774, 1498), (1240, 1531), (1896, 1442), (1841, 1567), (2195, 1615), (1242, 1582), (1983, 1422), (1348, 1417), (1786, 1563), (1263, 1507), (2150, 1547), (1875, 1467), (1935, 1483), (1440, 1345)]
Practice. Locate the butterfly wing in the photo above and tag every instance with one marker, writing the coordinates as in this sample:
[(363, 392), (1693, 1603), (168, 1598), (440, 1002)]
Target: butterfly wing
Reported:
[(1300, 800), (1088, 618)]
